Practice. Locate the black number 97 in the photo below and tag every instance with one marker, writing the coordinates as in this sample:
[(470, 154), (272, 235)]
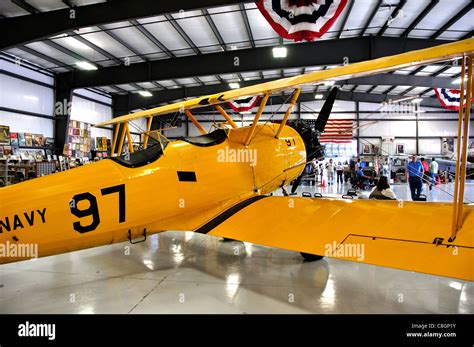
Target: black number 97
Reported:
[(93, 209)]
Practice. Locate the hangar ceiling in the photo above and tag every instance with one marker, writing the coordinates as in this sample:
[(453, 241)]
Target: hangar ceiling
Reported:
[(186, 50)]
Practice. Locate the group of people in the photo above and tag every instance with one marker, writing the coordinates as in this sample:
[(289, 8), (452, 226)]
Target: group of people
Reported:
[(418, 172), (338, 171)]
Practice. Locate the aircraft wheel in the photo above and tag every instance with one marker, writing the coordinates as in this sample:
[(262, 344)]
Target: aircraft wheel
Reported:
[(311, 257)]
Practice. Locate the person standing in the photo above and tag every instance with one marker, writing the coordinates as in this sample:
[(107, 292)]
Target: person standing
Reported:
[(347, 171), (330, 171), (356, 169), (433, 168), (426, 172), (414, 175), (321, 172), (339, 173), (357, 165)]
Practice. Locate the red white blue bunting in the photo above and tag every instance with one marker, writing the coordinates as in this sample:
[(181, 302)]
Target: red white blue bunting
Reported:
[(244, 104), (449, 98), (301, 19)]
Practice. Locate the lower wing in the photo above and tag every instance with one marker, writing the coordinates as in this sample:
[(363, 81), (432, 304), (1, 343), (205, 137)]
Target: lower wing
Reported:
[(404, 235)]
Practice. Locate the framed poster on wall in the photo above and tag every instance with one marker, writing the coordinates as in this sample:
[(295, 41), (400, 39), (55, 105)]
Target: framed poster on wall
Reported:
[(367, 149), (4, 135), (400, 148), (447, 146)]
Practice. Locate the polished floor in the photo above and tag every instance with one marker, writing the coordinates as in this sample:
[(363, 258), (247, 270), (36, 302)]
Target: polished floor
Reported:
[(177, 272)]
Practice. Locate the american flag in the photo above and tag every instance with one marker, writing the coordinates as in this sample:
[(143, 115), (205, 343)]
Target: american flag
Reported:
[(337, 131)]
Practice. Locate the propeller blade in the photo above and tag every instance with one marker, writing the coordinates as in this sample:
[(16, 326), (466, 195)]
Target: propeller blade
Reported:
[(297, 183), (326, 110)]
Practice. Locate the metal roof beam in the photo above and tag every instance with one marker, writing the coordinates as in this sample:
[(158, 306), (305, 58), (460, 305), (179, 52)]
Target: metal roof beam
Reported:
[(55, 22), (182, 33), (326, 52), (248, 28), (420, 17), (152, 38), (136, 101), (369, 20), (393, 15), (214, 29), (453, 20)]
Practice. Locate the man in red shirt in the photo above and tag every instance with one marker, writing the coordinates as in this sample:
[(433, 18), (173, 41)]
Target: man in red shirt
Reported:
[(426, 171)]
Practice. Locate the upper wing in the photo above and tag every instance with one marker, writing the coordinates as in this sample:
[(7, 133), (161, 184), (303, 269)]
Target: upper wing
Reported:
[(404, 235), (433, 54)]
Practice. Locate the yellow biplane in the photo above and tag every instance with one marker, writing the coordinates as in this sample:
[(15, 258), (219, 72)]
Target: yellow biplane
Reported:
[(201, 184)]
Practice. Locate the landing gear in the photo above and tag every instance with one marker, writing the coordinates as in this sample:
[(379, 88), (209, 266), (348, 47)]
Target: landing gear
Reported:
[(311, 257)]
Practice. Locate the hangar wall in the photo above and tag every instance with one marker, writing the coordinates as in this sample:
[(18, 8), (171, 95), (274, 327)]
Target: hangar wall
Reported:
[(26, 106), (27, 101)]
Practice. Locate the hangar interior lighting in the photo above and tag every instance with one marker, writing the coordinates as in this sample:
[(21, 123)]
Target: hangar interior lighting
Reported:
[(279, 52), (145, 93), (84, 65), (234, 85)]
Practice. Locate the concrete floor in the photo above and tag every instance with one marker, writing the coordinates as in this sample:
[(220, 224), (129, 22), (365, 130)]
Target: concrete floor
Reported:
[(177, 272)]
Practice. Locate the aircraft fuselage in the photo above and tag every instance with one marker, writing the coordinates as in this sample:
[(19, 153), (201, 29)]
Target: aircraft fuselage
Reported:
[(106, 202)]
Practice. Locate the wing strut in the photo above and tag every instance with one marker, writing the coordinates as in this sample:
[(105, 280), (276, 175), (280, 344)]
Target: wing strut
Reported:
[(463, 135), (114, 141), (226, 116), (147, 133), (257, 117), (195, 122), (296, 94)]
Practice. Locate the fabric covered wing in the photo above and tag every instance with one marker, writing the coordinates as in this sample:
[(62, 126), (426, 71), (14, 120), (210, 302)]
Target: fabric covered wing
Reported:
[(404, 235)]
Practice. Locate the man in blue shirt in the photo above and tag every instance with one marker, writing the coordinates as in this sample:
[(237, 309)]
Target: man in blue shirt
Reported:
[(415, 174)]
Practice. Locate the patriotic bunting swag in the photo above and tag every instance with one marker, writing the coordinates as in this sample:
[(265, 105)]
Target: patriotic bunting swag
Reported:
[(301, 19), (244, 104), (449, 98)]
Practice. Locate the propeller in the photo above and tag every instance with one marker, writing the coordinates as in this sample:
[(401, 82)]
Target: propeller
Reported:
[(310, 133)]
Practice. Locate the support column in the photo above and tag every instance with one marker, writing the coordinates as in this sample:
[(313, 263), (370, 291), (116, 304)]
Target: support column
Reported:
[(358, 127), (417, 125), (62, 114)]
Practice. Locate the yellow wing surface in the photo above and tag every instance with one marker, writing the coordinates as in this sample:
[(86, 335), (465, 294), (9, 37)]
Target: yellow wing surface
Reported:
[(404, 235), (423, 56)]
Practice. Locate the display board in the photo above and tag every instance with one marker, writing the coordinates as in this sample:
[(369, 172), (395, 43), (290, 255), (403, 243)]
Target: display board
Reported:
[(13, 144), (78, 144)]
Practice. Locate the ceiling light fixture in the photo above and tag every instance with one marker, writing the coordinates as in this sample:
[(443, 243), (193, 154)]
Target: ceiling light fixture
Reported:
[(84, 65), (279, 52), (145, 93)]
